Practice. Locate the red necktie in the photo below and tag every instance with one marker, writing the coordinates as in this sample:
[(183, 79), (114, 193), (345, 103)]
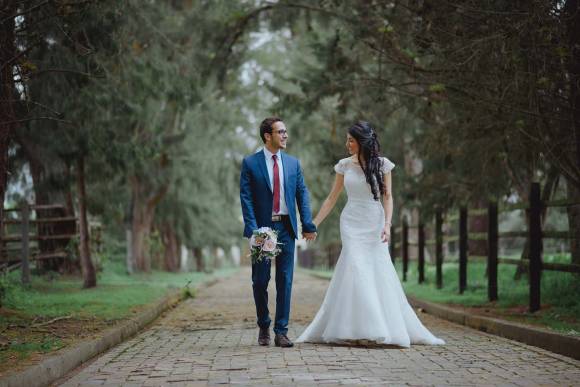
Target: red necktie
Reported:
[(276, 206)]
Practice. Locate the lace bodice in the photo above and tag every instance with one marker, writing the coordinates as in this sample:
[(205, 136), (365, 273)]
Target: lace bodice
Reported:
[(354, 178)]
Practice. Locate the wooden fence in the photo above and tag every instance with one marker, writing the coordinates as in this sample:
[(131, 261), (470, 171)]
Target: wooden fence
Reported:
[(534, 233), (20, 243), (318, 258)]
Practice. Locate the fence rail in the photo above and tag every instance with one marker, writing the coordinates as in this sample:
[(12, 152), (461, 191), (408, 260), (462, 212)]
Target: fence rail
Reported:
[(534, 234), (16, 249)]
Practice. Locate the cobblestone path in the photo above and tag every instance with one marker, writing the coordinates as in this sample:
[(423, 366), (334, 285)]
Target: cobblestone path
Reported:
[(211, 340)]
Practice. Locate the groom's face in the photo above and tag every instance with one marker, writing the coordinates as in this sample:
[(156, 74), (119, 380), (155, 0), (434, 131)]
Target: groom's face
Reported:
[(279, 135)]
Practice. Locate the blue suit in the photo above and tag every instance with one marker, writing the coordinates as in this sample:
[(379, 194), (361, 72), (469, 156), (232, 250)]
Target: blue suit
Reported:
[(256, 198)]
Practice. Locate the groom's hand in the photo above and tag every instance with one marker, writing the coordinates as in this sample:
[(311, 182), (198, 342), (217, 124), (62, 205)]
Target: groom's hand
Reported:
[(309, 236)]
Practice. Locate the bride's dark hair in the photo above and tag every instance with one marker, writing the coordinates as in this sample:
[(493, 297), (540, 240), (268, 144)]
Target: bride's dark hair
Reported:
[(368, 156)]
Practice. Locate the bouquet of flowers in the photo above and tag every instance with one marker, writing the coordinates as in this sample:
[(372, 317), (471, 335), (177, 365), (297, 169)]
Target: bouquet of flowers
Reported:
[(264, 244)]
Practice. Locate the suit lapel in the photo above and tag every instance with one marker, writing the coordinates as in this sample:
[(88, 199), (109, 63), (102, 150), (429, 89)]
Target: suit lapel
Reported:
[(264, 168)]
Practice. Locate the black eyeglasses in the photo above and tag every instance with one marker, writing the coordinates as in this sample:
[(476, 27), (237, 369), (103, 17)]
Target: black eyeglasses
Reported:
[(282, 132)]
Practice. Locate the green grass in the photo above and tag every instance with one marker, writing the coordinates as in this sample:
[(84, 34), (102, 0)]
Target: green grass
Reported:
[(560, 292), (23, 350), (115, 297)]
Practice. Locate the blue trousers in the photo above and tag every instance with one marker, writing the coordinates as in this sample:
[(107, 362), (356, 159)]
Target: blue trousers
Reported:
[(284, 273)]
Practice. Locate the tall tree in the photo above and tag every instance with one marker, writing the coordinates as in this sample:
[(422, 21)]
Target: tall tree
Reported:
[(8, 94)]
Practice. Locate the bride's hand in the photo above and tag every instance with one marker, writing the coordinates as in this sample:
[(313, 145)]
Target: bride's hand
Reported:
[(386, 234)]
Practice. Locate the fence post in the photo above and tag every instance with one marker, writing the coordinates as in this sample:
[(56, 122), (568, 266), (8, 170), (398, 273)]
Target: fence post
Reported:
[(392, 243), (421, 259), (462, 249), (492, 247), (405, 248), (535, 236), (25, 215), (439, 247)]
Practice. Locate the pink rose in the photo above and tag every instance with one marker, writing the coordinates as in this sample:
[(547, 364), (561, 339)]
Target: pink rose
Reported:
[(269, 245)]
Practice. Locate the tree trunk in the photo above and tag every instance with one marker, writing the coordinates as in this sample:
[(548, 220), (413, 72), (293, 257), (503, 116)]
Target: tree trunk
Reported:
[(7, 92), (140, 232), (142, 214), (127, 222), (574, 222), (129, 253), (199, 264), (87, 267), (184, 265), (156, 248), (217, 258), (572, 16), (172, 251)]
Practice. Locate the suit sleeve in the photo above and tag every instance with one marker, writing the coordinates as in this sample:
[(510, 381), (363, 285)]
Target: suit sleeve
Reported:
[(246, 200), (303, 200)]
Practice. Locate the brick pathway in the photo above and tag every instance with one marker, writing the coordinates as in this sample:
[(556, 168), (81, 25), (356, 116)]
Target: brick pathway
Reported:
[(211, 340)]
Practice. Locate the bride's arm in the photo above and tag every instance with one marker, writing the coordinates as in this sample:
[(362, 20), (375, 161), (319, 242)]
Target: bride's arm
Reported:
[(388, 207), (330, 201)]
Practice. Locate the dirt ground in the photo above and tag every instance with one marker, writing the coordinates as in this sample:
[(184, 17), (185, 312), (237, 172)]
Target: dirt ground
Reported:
[(25, 340)]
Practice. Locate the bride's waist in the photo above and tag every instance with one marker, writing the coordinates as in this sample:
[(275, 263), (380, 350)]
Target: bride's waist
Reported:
[(357, 207), (369, 201)]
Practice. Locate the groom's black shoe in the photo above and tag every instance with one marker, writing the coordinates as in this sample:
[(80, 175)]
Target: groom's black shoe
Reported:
[(264, 336), (283, 341)]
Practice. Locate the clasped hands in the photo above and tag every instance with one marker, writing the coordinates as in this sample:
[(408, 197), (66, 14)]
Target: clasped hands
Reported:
[(309, 236)]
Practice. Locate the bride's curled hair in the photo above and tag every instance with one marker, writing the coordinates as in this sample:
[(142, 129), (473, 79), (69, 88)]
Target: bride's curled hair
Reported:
[(368, 156)]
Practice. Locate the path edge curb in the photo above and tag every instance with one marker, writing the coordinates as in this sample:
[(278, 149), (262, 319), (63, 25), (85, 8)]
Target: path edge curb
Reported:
[(554, 342), (57, 366), (542, 338)]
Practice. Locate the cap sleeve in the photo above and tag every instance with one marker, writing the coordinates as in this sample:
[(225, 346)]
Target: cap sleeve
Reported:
[(340, 167), (387, 165)]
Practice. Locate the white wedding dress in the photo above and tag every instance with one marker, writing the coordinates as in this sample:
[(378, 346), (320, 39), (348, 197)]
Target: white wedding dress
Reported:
[(365, 300)]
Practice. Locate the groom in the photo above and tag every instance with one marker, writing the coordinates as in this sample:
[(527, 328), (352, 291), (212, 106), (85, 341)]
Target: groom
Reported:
[(271, 184)]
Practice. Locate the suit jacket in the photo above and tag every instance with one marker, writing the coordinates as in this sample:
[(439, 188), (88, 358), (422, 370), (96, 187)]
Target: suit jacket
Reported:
[(256, 194)]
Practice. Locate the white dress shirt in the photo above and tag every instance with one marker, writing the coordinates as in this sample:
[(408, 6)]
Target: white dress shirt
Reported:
[(270, 165)]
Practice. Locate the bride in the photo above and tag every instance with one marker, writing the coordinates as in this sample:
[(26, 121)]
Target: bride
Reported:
[(365, 300)]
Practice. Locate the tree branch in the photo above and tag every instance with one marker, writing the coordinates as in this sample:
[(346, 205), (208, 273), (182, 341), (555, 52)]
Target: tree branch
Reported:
[(37, 119)]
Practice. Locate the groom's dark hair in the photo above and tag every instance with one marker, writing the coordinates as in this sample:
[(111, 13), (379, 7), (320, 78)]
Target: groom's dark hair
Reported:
[(266, 126)]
